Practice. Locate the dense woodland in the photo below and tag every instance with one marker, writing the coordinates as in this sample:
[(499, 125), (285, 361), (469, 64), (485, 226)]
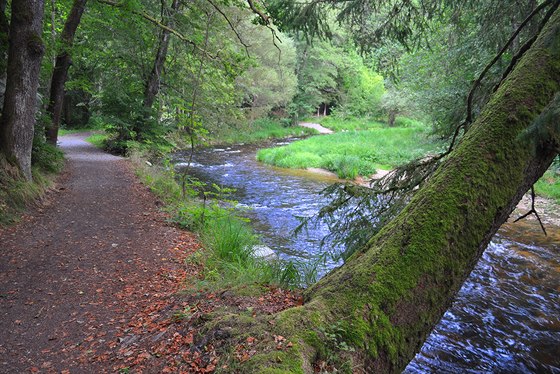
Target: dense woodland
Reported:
[(484, 76)]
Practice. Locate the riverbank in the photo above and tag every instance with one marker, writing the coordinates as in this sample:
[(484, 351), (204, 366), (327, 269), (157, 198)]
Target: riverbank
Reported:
[(353, 153), (487, 305)]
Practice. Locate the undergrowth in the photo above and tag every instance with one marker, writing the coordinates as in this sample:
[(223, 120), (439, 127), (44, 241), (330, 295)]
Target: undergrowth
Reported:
[(15, 192), (229, 243)]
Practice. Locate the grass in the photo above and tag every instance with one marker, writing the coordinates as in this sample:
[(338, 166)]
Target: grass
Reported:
[(347, 124), (354, 153), (549, 185), (259, 130), (97, 139), (228, 259), (62, 132), (356, 124), (16, 193)]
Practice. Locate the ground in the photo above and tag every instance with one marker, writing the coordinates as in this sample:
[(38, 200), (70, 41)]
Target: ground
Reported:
[(94, 279)]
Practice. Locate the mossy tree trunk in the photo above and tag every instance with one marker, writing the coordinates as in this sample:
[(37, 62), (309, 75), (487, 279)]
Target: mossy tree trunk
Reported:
[(387, 298), (26, 49)]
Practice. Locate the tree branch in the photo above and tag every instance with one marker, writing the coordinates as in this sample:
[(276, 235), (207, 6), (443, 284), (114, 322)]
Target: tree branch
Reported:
[(533, 211), (477, 83), (153, 20), (264, 17), (525, 47), (230, 26)]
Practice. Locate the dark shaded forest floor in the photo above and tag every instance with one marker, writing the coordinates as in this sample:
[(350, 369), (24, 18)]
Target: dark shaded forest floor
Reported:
[(95, 280)]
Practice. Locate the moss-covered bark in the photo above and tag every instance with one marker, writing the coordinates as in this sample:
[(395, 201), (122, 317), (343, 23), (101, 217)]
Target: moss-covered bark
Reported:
[(386, 299)]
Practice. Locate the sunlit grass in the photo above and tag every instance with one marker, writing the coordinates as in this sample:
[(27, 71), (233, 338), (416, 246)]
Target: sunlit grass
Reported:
[(353, 153), (259, 130), (347, 124), (549, 185), (97, 139)]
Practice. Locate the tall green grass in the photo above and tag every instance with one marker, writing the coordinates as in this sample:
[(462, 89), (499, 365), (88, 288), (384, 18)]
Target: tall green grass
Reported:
[(259, 130), (229, 260), (338, 124), (354, 153), (347, 124)]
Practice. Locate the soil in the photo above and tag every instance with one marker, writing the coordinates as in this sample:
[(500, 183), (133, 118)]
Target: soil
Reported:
[(93, 280)]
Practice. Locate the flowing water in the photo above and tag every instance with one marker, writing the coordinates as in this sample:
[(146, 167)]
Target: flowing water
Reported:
[(506, 317)]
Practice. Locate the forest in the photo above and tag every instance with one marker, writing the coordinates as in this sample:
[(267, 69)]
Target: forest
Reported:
[(336, 176)]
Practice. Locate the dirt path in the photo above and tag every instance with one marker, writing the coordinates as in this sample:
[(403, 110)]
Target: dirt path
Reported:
[(75, 271), (316, 126)]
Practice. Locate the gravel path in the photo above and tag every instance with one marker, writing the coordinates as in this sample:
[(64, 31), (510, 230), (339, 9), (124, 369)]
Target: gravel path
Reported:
[(316, 126), (66, 268)]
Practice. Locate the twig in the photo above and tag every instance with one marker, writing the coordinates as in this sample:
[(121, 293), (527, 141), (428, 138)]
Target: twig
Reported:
[(525, 47), (533, 211), (230, 26)]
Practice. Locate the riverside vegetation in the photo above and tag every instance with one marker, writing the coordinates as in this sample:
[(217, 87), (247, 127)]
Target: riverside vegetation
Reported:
[(156, 76)]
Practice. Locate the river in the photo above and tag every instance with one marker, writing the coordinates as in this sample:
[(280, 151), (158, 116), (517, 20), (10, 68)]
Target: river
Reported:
[(505, 318)]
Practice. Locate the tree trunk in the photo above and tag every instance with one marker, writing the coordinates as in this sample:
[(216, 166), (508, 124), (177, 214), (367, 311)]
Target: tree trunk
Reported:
[(153, 81), (387, 298), (26, 50), (60, 72), (4, 31), (392, 117)]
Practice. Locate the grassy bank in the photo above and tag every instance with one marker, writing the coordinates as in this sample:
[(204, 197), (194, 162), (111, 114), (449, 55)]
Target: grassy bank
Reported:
[(353, 153), (228, 258), (549, 185), (258, 131), (356, 124), (16, 193)]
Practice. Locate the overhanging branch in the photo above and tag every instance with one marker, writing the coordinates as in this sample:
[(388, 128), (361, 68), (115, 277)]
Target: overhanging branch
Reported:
[(159, 24)]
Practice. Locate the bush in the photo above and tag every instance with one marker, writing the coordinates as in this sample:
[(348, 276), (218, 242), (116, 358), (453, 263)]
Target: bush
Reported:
[(46, 157)]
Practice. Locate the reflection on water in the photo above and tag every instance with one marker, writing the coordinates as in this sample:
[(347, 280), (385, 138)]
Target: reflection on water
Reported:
[(506, 317)]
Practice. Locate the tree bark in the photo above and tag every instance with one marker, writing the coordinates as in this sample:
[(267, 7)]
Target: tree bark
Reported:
[(26, 50), (387, 298), (60, 72), (153, 81), (4, 31)]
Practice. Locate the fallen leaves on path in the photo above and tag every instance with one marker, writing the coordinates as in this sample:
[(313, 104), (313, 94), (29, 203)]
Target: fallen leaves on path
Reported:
[(159, 332)]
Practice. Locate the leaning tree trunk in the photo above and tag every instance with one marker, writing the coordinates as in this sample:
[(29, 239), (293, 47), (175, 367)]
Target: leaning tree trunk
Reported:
[(26, 49), (60, 72), (154, 79), (387, 298)]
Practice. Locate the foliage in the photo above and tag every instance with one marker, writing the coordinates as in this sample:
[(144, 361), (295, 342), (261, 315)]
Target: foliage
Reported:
[(332, 73), (270, 81)]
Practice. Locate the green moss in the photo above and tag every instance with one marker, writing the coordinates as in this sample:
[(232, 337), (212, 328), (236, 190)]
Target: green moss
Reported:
[(386, 298)]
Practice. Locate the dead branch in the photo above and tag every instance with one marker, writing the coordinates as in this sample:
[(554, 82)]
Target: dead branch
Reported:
[(533, 211)]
